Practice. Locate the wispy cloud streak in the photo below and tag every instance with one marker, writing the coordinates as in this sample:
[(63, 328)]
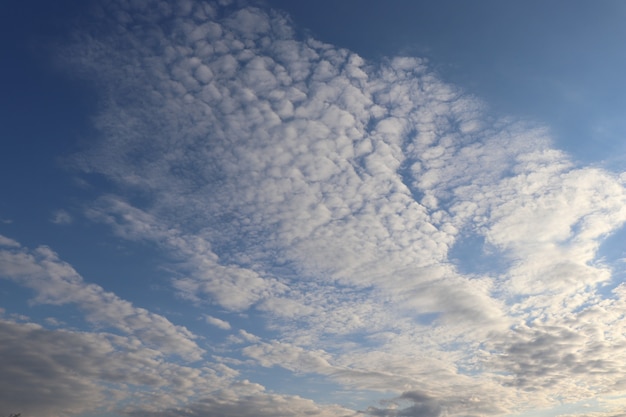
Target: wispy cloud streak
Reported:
[(56, 282)]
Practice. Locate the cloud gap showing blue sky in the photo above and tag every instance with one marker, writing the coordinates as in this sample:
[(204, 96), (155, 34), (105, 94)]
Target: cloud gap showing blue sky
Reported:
[(250, 220)]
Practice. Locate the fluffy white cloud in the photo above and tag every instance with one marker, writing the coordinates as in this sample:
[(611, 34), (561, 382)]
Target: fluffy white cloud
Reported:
[(292, 180), (232, 286)]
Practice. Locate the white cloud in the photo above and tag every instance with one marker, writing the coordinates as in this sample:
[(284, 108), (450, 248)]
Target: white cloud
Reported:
[(214, 321), (8, 242), (292, 179), (231, 286)]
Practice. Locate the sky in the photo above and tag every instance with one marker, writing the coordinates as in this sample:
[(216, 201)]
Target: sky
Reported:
[(333, 208)]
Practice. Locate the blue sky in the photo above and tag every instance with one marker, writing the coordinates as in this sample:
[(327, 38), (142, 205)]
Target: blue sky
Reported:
[(312, 208)]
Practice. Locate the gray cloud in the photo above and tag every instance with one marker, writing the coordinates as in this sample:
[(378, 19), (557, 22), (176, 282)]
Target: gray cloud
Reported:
[(33, 382), (252, 405), (50, 373), (424, 405)]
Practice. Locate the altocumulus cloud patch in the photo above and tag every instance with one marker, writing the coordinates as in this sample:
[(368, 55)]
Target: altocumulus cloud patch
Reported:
[(307, 203)]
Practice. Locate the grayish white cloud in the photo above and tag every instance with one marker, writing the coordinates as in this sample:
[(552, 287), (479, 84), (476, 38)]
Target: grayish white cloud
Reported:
[(251, 400), (56, 282), (214, 321), (59, 372)]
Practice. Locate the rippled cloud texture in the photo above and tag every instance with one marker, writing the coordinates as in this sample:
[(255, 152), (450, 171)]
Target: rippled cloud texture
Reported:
[(371, 227)]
